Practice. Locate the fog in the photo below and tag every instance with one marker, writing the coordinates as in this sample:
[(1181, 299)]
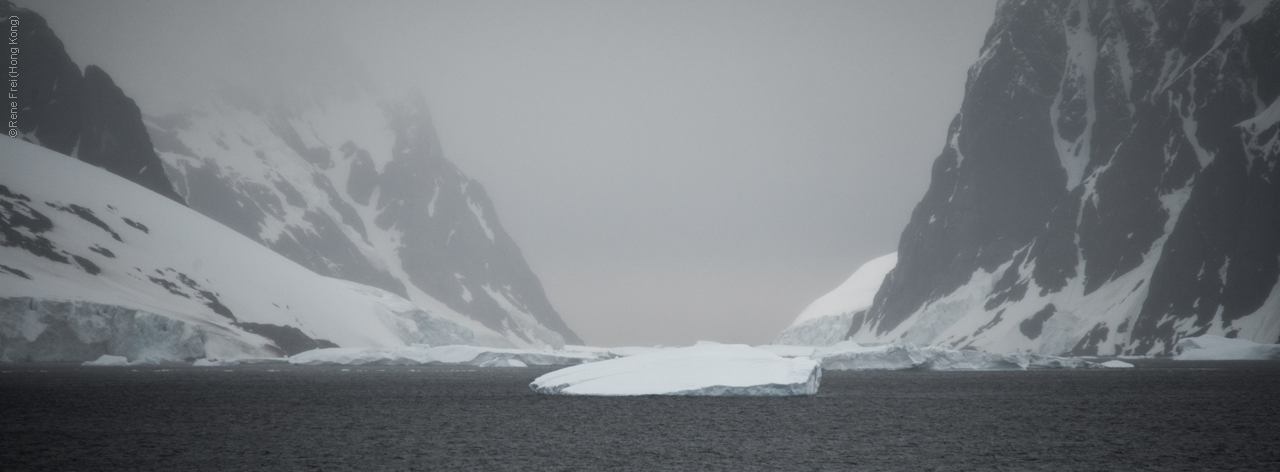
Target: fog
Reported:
[(672, 171)]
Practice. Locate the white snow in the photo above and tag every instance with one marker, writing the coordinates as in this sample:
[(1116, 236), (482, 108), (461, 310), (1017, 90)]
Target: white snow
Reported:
[(820, 323), (789, 351), (1255, 128), (477, 210), (1218, 348), (107, 361), (1082, 60), (254, 283), (855, 293), (709, 369)]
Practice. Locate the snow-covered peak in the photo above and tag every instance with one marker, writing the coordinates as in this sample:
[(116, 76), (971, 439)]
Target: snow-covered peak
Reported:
[(854, 294), (827, 319)]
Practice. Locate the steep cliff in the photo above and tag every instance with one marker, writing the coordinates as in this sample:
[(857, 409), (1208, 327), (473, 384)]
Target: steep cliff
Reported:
[(83, 115), (1109, 186)]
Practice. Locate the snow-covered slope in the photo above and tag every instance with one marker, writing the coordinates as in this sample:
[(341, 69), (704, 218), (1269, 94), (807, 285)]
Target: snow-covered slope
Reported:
[(826, 321), (93, 264), (356, 187), (1109, 187)]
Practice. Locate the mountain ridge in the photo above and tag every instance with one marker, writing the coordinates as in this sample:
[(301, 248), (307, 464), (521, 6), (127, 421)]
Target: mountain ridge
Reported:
[(80, 114), (1108, 187), (355, 186)]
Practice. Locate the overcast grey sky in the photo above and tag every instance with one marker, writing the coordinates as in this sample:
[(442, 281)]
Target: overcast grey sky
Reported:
[(672, 170)]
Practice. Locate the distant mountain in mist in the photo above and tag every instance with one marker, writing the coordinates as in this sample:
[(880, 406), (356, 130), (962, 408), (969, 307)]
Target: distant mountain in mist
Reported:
[(1109, 187), (345, 186), (356, 187)]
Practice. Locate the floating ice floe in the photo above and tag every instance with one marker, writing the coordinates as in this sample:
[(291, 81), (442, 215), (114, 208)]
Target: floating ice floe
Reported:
[(1218, 348), (1116, 364), (107, 360), (849, 355), (705, 369), (503, 363), (441, 355)]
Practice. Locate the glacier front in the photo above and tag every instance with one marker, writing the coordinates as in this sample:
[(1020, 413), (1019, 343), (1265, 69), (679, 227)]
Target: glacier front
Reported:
[(441, 355), (702, 370), (1218, 348)]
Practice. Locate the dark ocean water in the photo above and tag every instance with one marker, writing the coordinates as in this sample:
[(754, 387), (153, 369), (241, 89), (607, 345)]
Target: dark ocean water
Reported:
[(1161, 416)]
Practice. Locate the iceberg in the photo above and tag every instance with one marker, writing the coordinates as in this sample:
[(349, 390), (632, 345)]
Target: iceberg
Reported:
[(706, 369), (849, 355), (504, 363), (107, 360), (1116, 364), (1218, 348)]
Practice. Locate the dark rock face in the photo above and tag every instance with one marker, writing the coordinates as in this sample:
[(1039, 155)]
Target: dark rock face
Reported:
[(379, 205), (85, 116), (1116, 161), (289, 339)]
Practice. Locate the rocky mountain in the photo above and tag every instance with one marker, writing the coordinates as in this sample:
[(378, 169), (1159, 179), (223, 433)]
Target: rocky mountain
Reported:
[(356, 187), (1110, 186), (83, 115)]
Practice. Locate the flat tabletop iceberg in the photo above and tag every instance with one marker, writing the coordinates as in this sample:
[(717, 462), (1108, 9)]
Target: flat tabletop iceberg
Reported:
[(709, 369)]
